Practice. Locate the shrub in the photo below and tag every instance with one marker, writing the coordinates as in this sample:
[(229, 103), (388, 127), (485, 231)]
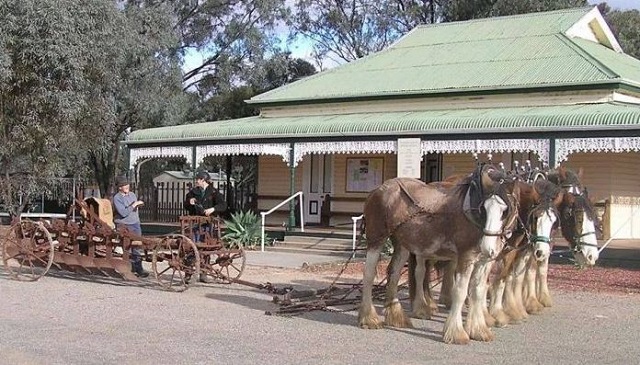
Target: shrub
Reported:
[(243, 230)]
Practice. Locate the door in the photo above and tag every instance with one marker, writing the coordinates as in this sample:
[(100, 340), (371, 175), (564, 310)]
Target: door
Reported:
[(432, 167), (317, 181)]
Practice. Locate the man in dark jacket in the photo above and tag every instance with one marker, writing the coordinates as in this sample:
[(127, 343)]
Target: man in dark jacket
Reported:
[(204, 199)]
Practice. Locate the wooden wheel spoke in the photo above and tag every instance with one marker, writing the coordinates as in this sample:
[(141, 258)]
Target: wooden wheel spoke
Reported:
[(37, 257), (165, 270), (179, 255), (235, 267)]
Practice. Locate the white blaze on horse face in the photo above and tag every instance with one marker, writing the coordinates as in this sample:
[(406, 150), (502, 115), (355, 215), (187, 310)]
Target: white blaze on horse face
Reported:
[(588, 254), (544, 224), (491, 244)]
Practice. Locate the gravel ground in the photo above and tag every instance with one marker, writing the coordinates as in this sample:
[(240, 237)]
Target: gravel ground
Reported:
[(69, 319)]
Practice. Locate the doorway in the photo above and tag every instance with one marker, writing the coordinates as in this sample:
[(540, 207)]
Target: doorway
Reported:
[(432, 167), (317, 183)]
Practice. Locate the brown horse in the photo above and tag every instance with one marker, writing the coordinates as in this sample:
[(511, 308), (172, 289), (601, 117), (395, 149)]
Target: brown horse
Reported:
[(577, 216), (539, 214), (462, 221)]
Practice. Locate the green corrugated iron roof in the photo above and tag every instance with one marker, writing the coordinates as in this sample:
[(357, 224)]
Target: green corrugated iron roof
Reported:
[(471, 120), (521, 51)]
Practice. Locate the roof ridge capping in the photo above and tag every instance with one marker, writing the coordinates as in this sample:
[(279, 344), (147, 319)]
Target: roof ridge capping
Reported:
[(593, 27), (581, 9)]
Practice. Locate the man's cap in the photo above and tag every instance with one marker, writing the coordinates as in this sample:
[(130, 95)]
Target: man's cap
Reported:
[(121, 181), (203, 175)]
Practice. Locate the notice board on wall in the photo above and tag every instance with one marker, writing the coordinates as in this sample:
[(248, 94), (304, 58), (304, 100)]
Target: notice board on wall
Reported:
[(364, 174)]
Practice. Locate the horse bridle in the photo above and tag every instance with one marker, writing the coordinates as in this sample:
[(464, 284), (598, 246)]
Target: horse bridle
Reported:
[(538, 238), (577, 242), (512, 204)]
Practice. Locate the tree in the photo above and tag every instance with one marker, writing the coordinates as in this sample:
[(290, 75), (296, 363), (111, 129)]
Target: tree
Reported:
[(269, 74), (347, 30), (344, 30), (625, 25), (46, 50), (231, 34), (143, 88), (457, 10)]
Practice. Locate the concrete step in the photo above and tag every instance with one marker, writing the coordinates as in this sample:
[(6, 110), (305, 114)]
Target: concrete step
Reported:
[(311, 251), (319, 243)]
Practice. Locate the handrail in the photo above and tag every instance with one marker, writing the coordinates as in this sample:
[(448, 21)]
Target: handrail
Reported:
[(264, 214), (353, 239)]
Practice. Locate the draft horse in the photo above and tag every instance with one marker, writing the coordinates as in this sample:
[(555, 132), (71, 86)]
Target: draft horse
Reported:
[(464, 221)]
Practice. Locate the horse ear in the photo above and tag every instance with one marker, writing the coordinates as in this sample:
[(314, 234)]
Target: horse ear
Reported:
[(580, 173), (562, 172)]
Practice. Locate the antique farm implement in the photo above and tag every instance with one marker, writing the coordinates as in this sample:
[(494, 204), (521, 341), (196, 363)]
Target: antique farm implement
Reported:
[(91, 245)]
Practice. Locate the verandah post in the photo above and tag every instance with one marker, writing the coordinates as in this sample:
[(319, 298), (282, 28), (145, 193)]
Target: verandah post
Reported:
[(292, 188)]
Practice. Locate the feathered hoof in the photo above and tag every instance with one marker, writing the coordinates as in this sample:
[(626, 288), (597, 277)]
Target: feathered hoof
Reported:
[(516, 318), (459, 337), (489, 319), (502, 319), (422, 310), (433, 306), (368, 319), (533, 306), (481, 334), (546, 301), (369, 324), (394, 316)]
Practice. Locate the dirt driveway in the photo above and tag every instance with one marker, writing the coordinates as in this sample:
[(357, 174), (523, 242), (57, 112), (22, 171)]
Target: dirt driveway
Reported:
[(68, 319)]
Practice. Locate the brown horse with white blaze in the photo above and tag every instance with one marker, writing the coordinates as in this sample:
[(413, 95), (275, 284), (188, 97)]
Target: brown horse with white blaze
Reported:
[(462, 221)]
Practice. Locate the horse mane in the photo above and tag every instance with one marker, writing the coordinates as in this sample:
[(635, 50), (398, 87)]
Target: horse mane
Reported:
[(547, 190), (563, 177), (547, 193)]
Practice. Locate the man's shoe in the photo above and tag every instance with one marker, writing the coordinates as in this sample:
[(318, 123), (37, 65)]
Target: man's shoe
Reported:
[(142, 274), (204, 279)]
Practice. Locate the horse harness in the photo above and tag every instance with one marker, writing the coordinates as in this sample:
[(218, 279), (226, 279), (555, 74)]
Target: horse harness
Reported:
[(577, 241), (474, 210)]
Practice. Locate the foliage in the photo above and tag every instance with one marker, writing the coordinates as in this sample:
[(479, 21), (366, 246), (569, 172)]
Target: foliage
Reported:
[(457, 10), (47, 52), (243, 230), (626, 27), (73, 78), (344, 30), (232, 35), (268, 74), (144, 88), (348, 30)]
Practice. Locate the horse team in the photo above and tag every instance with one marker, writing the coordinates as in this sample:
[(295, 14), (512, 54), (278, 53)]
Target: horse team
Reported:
[(490, 218)]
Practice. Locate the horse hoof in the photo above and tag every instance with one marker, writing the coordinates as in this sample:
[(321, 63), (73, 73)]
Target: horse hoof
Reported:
[(371, 326), (457, 340)]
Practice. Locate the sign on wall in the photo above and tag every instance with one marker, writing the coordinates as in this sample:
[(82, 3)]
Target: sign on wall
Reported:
[(409, 157), (364, 174)]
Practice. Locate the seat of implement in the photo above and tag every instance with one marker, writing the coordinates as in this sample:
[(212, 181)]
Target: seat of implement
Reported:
[(203, 231), (102, 208)]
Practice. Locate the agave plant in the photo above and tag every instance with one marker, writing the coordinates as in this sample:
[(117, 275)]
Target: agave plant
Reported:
[(243, 230)]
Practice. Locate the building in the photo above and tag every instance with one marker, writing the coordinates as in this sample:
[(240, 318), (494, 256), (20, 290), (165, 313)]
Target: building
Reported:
[(551, 87)]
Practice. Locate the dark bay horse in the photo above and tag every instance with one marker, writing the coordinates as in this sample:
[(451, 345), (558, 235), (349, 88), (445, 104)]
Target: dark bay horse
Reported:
[(463, 221)]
